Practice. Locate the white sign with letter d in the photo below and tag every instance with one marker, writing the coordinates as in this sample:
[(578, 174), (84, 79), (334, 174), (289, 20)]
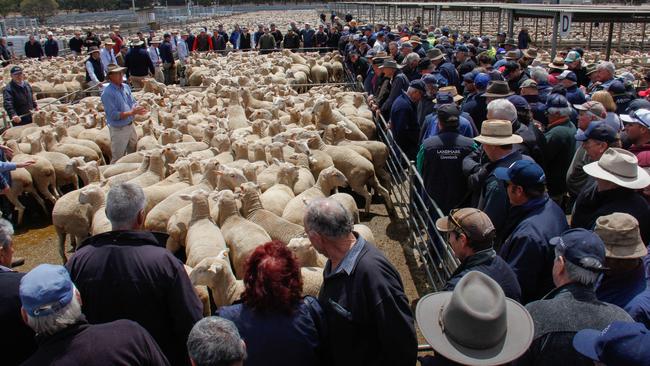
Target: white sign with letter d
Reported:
[(565, 24)]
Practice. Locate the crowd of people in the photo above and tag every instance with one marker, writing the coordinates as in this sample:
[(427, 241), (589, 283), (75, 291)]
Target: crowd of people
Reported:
[(542, 169)]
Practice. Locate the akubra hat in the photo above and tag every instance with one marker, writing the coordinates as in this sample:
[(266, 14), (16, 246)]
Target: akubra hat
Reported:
[(497, 132), (115, 68), (415, 40), (498, 89), (475, 324), (389, 63), (510, 42), (512, 55), (530, 53), (93, 49), (453, 91), (435, 54), (620, 233), (558, 64), (620, 167)]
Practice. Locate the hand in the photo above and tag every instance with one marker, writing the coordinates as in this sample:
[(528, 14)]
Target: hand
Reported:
[(8, 152), (138, 110), (15, 119), (26, 163)]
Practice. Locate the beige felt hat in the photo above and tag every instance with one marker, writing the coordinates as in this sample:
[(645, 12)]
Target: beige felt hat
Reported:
[(621, 235), (620, 167), (497, 132)]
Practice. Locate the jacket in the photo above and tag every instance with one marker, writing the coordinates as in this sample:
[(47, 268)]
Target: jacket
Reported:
[(523, 38), (97, 69), (308, 37), (488, 262), (166, 54), (575, 95), (267, 43), (474, 104), (558, 317), (219, 42), (450, 73), (527, 250), (534, 142), (591, 204), (18, 101), (130, 275), (121, 342), (445, 153), (620, 288), (639, 308), (17, 337), (367, 312), (430, 126), (202, 43), (398, 84), (279, 339), (291, 41), (560, 147), (138, 63), (245, 42), (576, 178), (33, 50), (75, 44), (51, 48), (404, 125)]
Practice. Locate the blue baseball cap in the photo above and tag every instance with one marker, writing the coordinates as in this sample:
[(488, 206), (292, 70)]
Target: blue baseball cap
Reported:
[(462, 48), (616, 87), (481, 80), (581, 247), (444, 98), (418, 85), (556, 100), (435, 78), (620, 343), (45, 290), (523, 173), (519, 102), (469, 77), (598, 130)]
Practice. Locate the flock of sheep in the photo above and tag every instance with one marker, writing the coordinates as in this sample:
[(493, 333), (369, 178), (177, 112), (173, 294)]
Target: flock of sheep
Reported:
[(225, 167)]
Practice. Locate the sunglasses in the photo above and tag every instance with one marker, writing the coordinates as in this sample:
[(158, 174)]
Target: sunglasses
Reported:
[(455, 222)]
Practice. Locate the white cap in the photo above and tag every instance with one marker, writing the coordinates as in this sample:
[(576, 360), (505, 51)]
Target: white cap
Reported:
[(49, 33)]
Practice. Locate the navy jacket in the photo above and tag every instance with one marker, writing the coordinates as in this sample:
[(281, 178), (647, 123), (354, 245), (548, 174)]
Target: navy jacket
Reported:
[(280, 339), (75, 44), (17, 337), (398, 84), (308, 37), (404, 125), (619, 289), (576, 96), (445, 153), (121, 342), (527, 250), (488, 262), (450, 73), (534, 143), (130, 275), (33, 50), (18, 101), (591, 204), (368, 315), (166, 54), (639, 308), (51, 48), (474, 104), (138, 63)]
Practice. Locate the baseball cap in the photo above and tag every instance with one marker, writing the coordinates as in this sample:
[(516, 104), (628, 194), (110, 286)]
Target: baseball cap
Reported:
[(49, 33), (594, 107), (469, 77), (528, 83), (471, 221), (581, 247), (509, 67), (598, 130), (371, 53), (556, 101), (620, 343), (45, 290), (616, 87), (16, 70), (523, 173), (569, 75), (462, 48), (572, 56), (418, 85), (435, 78), (637, 104), (448, 114), (481, 80), (640, 116), (519, 102), (444, 98)]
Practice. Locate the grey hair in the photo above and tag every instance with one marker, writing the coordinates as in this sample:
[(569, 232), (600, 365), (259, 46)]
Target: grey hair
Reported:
[(502, 109), (565, 111), (410, 58), (6, 231), (539, 74), (123, 204), (329, 218), (55, 322), (606, 65), (215, 341), (578, 274)]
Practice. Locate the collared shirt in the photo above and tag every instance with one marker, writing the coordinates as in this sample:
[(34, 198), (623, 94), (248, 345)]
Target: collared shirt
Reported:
[(183, 52), (107, 57), (91, 71), (154, 55), (116, 100), (5, 269), (350, 258), (174, 42)]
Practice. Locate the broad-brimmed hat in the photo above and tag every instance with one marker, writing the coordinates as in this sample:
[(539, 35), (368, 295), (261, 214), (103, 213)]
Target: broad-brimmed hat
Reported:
[(512, 55), (93, 49), (434, 54), (621, 235), (619, 167), (134, 42), (528, 83), (109, 41), (590, 69), (498, 89), (497, 132), (113, 68), (451, 90), (155, 40), (475, 324), (415, 40), (530, 53), (510, 42), (558, 64), (389, 64), (382, 54)]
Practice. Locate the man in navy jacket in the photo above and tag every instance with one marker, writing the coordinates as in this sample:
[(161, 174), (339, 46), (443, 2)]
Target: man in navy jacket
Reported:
[(532, 221), (403, 119)]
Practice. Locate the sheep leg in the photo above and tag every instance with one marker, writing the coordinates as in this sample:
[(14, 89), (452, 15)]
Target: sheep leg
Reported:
[(61, 235), (13, 198), (38, 199), (43, 188), (361, 189), (383, 192)]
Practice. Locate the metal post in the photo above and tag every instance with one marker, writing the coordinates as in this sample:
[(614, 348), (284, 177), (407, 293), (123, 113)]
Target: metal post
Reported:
[(610, 33), (499, 21), (554, 38), (642, 36), (511, 23), (536, 21), (591, 28), (470, 23), (620, 36), (480, 22)]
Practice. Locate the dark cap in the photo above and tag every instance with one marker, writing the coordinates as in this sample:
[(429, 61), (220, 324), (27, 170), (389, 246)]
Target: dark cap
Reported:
[(469, 77), (620, 343), (424, 64), (523, 173), (462, 48), (568, 75), (444, 98), (418, 85), (600, 131), (519, 102), (473, 222), (448, 115), (509, 67), (581, 247), (616, 87), (15, 70), (557, 101), (435, 79)]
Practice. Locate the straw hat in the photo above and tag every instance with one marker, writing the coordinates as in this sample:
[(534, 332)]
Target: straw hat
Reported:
[(109, 41), (530, 53), (512, 55), (619, 167), (621, 235), (134, 42), (112, 68), (451, 90), (155, 40), (415, 40), (497, 132), (475, 324), (93, 49), (558, 64)]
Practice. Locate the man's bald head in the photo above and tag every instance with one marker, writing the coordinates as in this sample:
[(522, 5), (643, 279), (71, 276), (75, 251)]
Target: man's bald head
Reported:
[(328, 218)]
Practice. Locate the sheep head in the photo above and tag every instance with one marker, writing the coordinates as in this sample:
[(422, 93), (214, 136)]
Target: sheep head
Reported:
[(214, 272)]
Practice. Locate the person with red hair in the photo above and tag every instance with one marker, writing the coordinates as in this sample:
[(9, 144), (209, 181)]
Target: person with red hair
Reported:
[(279, 326)]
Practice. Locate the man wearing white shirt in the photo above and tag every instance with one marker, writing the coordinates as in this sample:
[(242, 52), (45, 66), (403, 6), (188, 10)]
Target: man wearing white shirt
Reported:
[(154, 54), (95, 73), (107, 55), (174, 41)]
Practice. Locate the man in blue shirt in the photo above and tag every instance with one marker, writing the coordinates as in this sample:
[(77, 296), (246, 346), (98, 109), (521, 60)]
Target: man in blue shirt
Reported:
[(120, 108)]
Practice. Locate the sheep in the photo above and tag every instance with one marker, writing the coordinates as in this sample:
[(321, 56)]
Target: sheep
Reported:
[(203, 239), (276, 198), (236, 113), (62, 134), (71, 218), (95, 196), (217, 274), (305, 177), (71, 150), (125, 177), (21, 182), (242, 236), (349, 203), (328, 180), (201, 292), (365, 232), (155, 171), (118, 168), (318, 73), (325, 115), (157, 192), (277, 227), (306, 254), (59, 163), (42, 172)]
